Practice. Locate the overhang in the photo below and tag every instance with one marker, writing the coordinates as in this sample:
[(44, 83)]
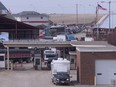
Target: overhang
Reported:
[(108, 48), (35, 43), (88, 43)]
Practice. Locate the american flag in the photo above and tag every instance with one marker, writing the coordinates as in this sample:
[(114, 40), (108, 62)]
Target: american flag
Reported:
[(101, 8)]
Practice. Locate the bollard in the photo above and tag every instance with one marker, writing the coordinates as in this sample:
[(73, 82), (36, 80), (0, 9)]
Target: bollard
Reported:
[(11, 66), (95, 80)]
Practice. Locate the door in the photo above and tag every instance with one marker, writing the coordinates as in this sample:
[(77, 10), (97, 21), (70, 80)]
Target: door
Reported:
[(73, 62), (105, 71)]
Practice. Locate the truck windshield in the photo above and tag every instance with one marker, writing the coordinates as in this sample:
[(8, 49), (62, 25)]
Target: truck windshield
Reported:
[(62, 74), (49, 56)]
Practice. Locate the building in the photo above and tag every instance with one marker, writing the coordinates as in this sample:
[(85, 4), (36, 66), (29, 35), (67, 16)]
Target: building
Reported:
[(96, 62), (96, 65), (11, 29), (112, 37), (32, 18), (18, 30)]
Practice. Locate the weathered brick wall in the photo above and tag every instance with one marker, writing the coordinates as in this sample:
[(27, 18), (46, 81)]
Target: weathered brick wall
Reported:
[(112, 38)]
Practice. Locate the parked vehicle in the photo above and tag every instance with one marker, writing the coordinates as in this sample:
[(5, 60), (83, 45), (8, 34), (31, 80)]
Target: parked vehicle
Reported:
[(18, 55), (2, 60), (62, 38), (49, 55), (60, 71)]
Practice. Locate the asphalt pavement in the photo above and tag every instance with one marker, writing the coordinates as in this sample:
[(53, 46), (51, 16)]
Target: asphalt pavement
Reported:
[(26, 76)]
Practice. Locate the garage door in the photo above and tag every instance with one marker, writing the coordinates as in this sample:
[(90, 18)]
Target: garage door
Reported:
[(105, 71)]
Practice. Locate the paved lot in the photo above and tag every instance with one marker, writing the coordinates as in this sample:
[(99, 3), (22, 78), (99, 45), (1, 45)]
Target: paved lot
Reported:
[(29, 78), (25, 76)]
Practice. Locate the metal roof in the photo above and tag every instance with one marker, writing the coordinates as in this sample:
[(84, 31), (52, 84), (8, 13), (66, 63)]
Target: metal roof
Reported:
[(88, 43), (29, 14), (35, 43), (82, 48), (108, 48), (55, 43), (93, 46)]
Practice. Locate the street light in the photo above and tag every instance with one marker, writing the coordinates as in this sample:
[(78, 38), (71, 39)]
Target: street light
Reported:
[(61, 19), (77, 14), (109, 2)]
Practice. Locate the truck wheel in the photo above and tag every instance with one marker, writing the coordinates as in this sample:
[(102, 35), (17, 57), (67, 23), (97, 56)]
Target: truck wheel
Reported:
[(52, 81), (68, 84), (27, 61), (56, 83)]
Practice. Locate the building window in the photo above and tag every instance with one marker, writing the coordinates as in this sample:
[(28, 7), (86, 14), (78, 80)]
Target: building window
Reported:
[(72, 61), (1, 58), (27, 18), (41, 17)]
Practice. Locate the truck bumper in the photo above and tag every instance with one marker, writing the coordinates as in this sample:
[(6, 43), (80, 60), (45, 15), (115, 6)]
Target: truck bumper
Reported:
[(62, 82)]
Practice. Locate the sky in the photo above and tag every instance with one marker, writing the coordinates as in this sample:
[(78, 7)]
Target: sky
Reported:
[(58, 6)]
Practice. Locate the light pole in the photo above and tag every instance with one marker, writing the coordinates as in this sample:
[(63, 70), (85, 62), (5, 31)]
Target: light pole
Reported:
[(77, 14), (109, 16), (61, 14)]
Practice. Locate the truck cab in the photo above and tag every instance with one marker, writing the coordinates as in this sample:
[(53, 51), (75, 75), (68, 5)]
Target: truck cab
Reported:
[(61, 78), (50, 55)]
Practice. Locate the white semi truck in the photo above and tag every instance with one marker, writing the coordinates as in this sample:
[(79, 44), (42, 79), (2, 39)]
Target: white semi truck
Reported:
[(49, 55), (60, 71)]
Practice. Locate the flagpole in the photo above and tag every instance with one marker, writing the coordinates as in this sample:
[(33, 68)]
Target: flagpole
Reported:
[(97, 21), (97, 24)]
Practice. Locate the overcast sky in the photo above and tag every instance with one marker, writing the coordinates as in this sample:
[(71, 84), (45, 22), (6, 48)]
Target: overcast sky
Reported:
[(56, 6)]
